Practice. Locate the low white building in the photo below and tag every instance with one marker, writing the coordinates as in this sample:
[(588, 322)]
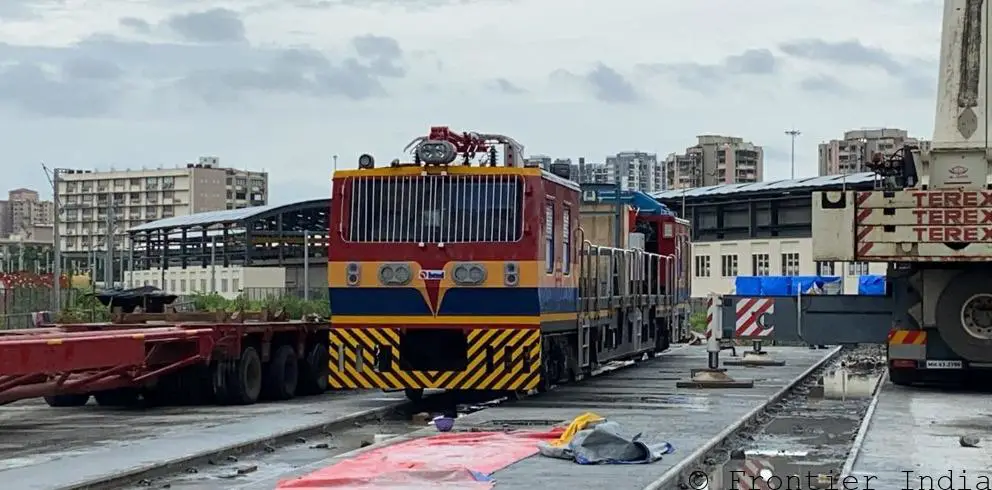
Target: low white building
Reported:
[(760, 229), (716, 265)]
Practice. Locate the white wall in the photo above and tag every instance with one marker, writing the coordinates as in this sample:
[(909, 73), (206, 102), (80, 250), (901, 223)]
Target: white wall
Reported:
[(744, 250), (230, 281)]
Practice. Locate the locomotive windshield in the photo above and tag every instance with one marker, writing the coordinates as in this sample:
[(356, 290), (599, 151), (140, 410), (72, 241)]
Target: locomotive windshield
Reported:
[(434, 209)]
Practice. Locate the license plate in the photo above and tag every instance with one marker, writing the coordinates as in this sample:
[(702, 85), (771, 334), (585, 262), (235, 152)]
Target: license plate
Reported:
[(944, 365)]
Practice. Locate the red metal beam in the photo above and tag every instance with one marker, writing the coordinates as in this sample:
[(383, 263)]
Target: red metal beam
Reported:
[(81, 351)]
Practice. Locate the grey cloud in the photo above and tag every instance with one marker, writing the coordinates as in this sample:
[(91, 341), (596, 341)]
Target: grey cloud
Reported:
[(383, 53), (135, 24), (610, 86), (708, 77), (823, 84), (507, 87), (211, 26), (752, 62), (33, 89), (411, 5), (91, 69), (848, 53), (916, 75), (26, 9), (215, 73)]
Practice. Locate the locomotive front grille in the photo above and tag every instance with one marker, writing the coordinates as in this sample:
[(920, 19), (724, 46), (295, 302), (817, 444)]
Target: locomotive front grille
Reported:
[(435, 209)]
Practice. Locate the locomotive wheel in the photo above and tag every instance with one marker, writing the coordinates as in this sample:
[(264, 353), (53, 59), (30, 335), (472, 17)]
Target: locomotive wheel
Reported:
[(964, 316), (239, 382), (282, 374), (551, 367), (60, 401), (314, 371), (121, 397), (414, 394)]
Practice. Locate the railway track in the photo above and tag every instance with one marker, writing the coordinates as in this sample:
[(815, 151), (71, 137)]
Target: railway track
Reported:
[(642, 391), (802, 440)]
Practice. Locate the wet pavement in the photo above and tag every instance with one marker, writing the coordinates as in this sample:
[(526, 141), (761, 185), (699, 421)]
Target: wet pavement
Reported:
[(914, 441), (645, 399), (642, 398), (265, 469), (805, 439), (45, 448)]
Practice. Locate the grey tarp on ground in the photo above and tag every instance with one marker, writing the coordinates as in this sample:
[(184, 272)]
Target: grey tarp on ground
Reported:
[(603, 443)]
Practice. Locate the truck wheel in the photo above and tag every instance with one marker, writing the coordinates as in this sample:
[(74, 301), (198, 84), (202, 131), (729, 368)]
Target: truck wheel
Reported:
[(60, 401), (121, 397), (282, 374), (314, 371), (241, 379), (961, 319)]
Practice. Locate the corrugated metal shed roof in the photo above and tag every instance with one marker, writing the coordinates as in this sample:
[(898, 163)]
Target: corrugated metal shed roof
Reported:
[(778, 185), (217, 217)]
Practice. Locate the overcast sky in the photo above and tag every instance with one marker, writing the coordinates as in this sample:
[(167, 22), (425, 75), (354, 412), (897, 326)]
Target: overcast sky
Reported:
[(282, 85)]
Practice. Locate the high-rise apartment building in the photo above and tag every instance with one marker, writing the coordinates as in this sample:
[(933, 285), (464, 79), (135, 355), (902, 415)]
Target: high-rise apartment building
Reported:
[(23, 211), (92, 201), (715, 160), (849, 155), (637, 171)]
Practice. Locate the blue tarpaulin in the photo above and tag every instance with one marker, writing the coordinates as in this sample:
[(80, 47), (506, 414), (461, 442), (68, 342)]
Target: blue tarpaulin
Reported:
[(779, 285), (871, 285)]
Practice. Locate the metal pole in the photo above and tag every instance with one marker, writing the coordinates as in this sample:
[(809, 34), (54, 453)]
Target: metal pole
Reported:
[(306, 265), (130, 263), (793, 133), (108, 265), (213, 265), (618, 234), (57, 245)]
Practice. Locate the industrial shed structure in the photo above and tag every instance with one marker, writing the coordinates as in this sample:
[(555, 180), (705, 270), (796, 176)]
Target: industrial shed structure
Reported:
[(253, 247), (756, 210), (760, 229)]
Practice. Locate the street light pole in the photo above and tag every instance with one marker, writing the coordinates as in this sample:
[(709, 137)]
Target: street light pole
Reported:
[(56, 239), (793, 133)]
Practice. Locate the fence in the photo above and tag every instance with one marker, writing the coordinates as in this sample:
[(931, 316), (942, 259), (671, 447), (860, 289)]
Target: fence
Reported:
[(18, 304)]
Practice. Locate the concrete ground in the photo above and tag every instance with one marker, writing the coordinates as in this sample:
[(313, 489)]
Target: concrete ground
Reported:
[(43, 448), (913, 441), (642, 398)]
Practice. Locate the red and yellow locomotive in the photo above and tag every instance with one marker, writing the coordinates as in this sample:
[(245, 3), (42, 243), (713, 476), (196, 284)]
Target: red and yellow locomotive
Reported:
[(454, 274)]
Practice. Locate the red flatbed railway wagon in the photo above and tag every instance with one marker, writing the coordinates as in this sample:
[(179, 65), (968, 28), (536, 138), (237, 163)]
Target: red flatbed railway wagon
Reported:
[(229, 362)]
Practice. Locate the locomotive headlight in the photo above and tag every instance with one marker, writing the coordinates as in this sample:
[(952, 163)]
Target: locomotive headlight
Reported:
[(353, 274), (394, 274), (511, 274), (366, 161), (469, 274), (437, 152)]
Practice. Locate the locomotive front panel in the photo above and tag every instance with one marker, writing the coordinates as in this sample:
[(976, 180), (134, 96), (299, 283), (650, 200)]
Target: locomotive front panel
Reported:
[(433, 281)]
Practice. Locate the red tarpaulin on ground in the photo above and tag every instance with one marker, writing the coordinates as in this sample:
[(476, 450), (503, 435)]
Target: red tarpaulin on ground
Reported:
[(458, 460)]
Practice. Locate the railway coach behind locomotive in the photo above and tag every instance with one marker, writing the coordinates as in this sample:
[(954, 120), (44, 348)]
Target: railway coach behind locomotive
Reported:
[(473, 275)]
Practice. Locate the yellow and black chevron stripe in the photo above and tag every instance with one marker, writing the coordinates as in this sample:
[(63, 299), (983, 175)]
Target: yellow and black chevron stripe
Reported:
[(498, 359)]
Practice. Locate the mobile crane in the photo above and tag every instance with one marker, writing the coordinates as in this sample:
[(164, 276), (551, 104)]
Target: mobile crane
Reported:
[(930, 218)]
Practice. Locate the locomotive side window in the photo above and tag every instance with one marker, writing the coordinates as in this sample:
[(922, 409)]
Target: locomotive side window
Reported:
[(549, 237), (566, 242)]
